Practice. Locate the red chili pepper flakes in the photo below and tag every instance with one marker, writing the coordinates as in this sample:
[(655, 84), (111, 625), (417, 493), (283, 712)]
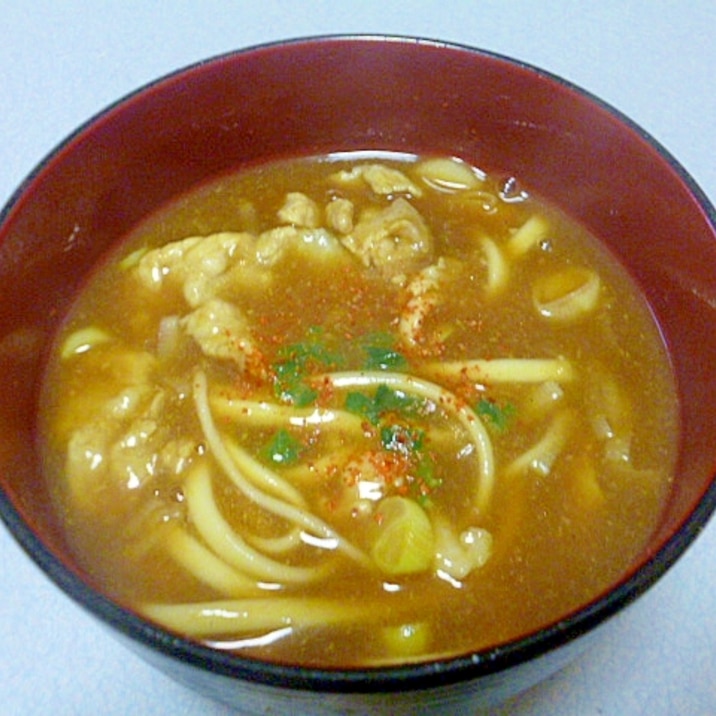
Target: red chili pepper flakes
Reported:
[(367, 429), (326, 392)]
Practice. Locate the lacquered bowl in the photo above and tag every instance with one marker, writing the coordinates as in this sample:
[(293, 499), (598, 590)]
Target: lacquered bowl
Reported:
[(355, 93)]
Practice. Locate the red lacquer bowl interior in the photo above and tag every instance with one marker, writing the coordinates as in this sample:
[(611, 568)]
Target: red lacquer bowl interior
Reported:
[(338, 94)]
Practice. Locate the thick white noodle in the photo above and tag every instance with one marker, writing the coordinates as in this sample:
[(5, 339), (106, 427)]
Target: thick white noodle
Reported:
[(307, 472), (269, 414), (412, 385), (581, 299), (225, 542), (498, 270), (276, 545), (244, 616), (206, 566), (291, 513), (262, 477), (449, 174), (527, 236), (457, 555), (504, 370), (541, 457), (542, 400)]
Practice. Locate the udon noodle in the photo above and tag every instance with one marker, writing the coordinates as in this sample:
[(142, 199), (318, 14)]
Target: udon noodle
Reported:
[(358, 410)]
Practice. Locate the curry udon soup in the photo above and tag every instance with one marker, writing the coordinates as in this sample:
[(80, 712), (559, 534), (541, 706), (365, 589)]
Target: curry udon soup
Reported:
[(332, 410)]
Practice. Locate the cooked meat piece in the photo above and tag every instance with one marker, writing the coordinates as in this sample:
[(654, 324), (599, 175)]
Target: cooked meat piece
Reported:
[(423, 292), (300, 210), (339, 215), (222, 331), (383, 180), (395, 240), (194, 265), (119, 448), (319, 244)]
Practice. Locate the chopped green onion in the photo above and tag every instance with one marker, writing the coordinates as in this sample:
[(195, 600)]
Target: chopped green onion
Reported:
[(381, 353), (380, 358), (399, 438), (362, 405), (498, 416), (385, 400), (405, 543), (133, 258), (83, 340), (296, 362), (426, 480), (407, 640), (290, 387), (283, 449), (312, 350)]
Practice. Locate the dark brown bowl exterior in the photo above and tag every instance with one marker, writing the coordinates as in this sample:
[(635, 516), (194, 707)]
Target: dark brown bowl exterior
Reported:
[(339, 94)]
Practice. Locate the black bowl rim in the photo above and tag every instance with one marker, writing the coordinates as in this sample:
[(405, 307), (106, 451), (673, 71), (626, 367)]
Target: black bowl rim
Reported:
[(412, 677)]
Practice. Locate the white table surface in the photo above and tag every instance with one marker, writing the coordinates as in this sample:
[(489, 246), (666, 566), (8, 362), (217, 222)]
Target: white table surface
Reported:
[(62, 61)]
